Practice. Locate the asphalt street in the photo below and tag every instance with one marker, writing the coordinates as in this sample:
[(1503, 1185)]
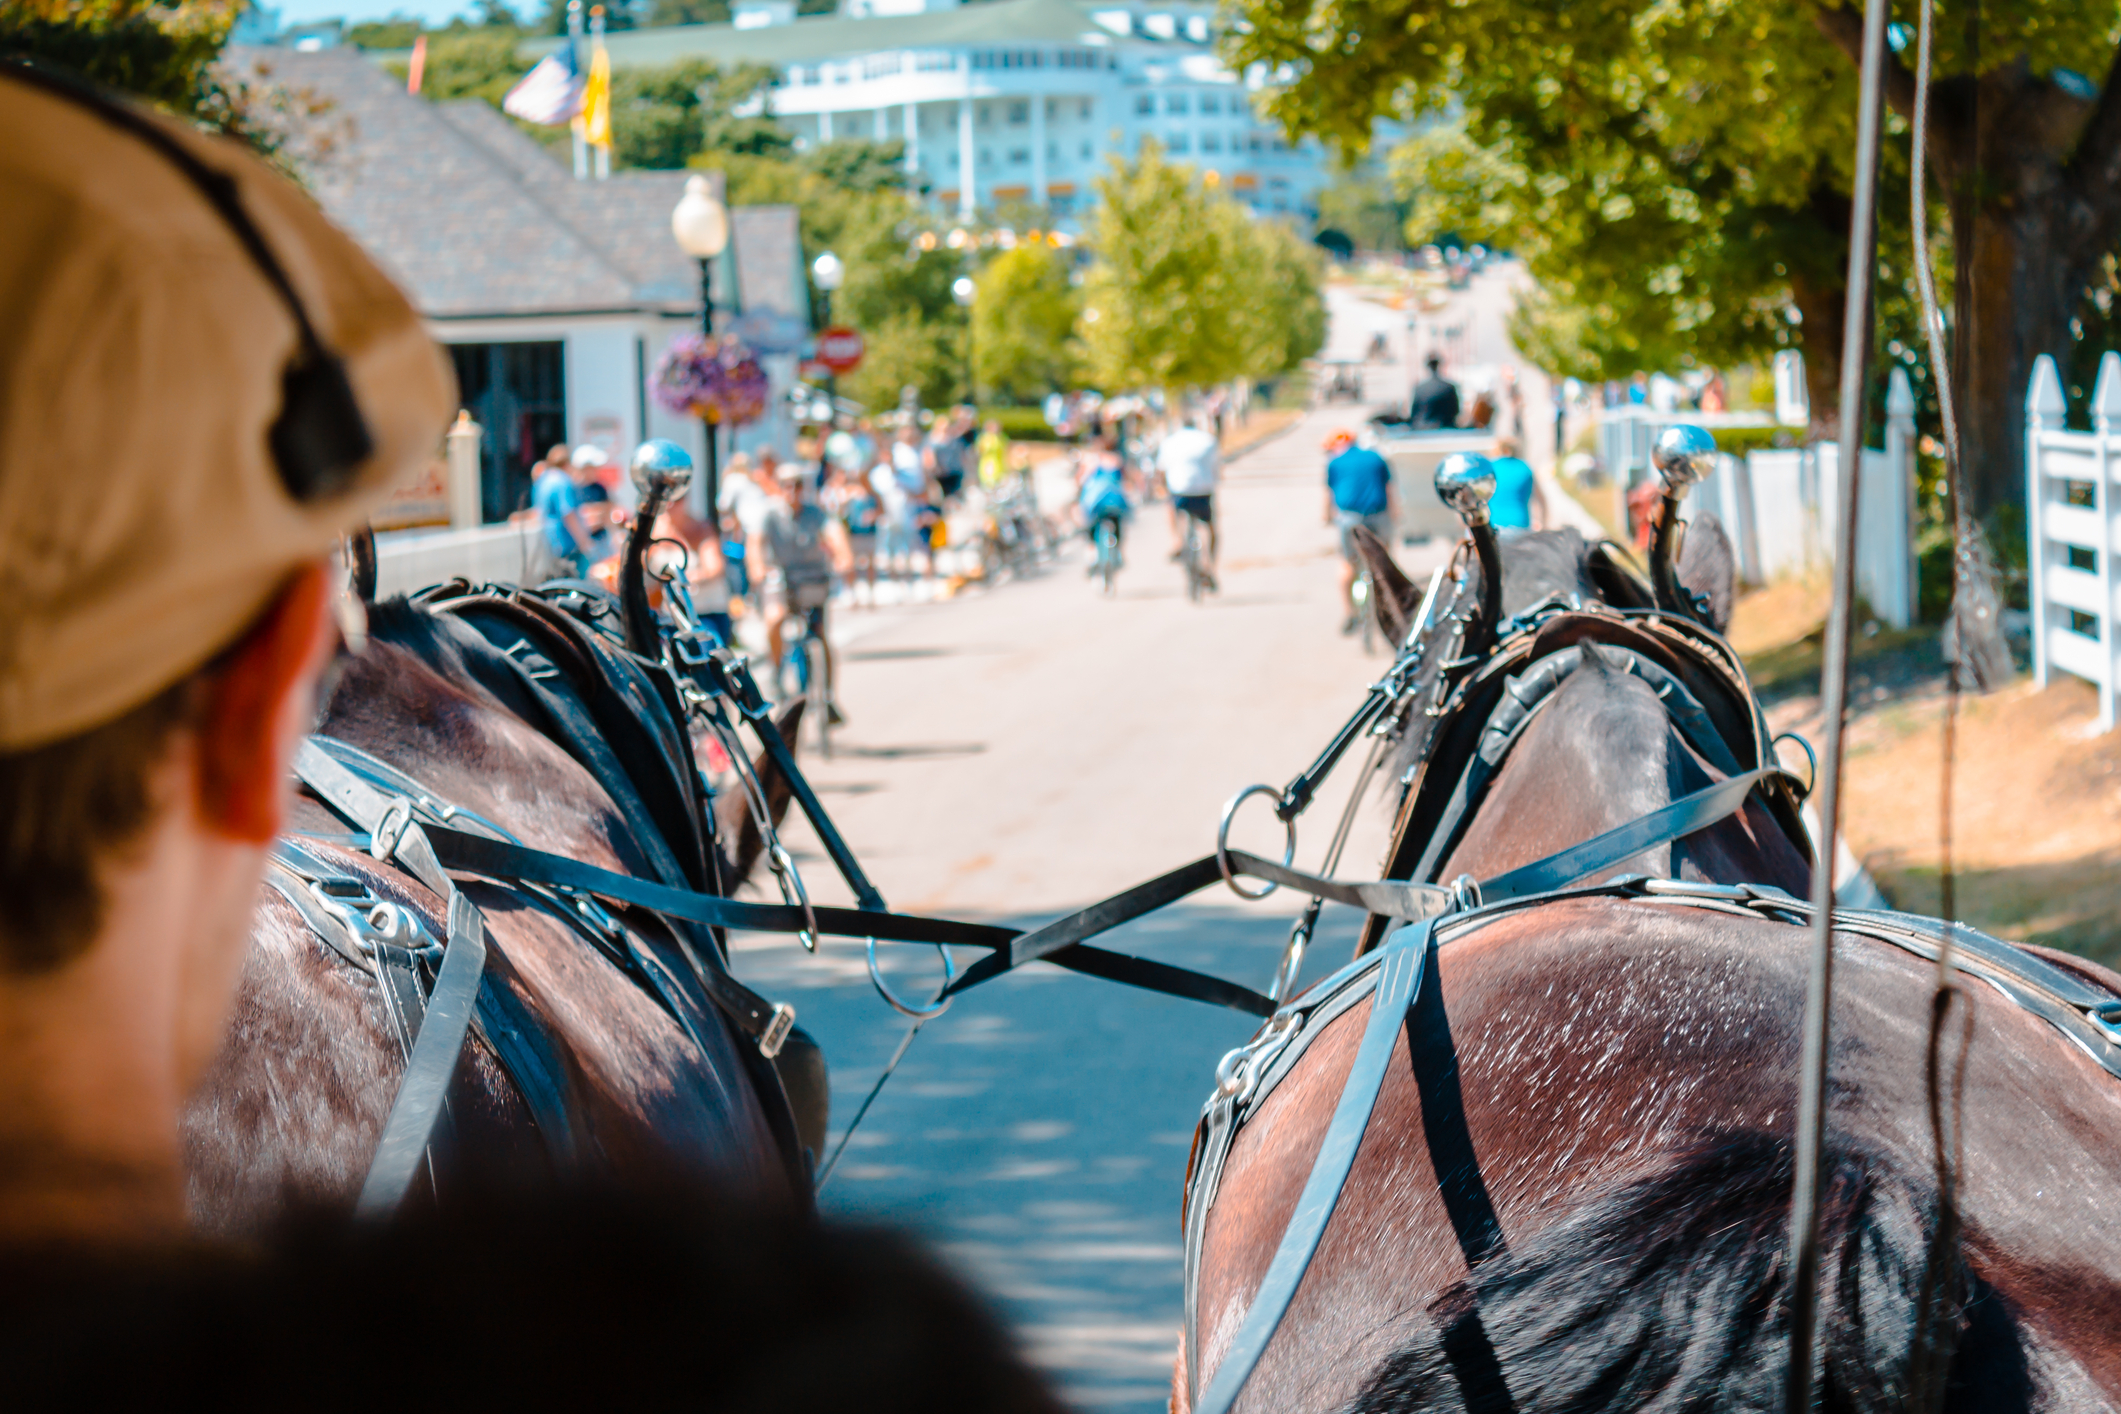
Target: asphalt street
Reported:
[(1015, 753)]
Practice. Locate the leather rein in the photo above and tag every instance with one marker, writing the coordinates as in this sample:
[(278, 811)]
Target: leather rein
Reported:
[(436, 993), (1484, 706)]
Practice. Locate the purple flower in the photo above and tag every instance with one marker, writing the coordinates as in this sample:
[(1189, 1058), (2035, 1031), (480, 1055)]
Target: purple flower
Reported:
[(717, 380)]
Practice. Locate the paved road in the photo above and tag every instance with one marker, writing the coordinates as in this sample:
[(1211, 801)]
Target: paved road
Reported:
[(1011, 755)]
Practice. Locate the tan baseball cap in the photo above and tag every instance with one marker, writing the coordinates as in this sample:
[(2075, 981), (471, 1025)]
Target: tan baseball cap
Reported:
[(144, 520)]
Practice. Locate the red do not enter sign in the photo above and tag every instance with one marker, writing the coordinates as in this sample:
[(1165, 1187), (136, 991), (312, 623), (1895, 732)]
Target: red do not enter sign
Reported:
[(840, 350)]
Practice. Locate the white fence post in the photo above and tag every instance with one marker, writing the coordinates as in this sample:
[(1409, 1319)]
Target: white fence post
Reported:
[(2043, 410), (2106, 424), (2070, 536)]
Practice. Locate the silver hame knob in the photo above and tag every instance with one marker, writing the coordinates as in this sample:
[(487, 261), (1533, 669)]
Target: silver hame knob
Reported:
[(1683, 455), (1464, 482), (661, 468)]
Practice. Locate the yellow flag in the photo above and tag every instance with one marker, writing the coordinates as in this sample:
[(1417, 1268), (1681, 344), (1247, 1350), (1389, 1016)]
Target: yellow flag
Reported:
[(596, 99)]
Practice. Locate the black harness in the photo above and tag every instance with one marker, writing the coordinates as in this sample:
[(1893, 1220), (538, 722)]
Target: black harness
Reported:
[(1484, 708)]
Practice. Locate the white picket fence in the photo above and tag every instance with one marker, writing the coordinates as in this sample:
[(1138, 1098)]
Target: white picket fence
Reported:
[(1781, 509), (2070, 531)]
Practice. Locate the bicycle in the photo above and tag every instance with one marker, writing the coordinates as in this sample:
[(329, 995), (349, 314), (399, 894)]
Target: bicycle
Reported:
[(1189, 555), (806, 653), (1361, 593), (1105, 535)]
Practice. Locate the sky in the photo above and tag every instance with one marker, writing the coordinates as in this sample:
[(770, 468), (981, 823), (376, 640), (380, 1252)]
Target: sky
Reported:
[(435, 12)]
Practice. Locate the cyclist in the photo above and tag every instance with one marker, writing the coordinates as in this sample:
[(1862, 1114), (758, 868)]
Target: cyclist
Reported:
[(1189, 460), (796, 551), (1358, 492), (1518, 504), (1101, 494)]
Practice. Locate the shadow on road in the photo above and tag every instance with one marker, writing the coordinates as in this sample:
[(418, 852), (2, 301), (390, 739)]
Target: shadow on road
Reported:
[(917, 751)]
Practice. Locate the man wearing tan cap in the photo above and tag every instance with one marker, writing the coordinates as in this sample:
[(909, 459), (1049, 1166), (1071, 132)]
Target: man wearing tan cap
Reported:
[(229, 385)]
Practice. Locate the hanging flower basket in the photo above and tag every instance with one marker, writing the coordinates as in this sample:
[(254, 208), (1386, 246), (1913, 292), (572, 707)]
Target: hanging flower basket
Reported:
[(716, 380)]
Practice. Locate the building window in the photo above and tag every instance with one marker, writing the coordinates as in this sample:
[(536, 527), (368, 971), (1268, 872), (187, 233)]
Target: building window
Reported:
[(1145, 103), (1020, 112), (1086, 110), (1018, 156), (1209, 103), (1210, 142), (1088, 152), (986, 158), (1176, 103), (986, 115), (1180, 143)]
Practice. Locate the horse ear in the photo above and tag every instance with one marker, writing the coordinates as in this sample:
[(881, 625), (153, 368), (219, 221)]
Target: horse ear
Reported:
[(736, 830), (1397, 597), (1709, 568)]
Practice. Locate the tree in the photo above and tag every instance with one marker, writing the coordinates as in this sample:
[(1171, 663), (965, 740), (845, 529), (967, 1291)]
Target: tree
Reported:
[(1364, 206), (1023, 325), (1188, 290), (167, 55), (1676, 172)]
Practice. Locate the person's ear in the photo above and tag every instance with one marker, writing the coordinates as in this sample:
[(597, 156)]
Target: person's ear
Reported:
[(258, 706)]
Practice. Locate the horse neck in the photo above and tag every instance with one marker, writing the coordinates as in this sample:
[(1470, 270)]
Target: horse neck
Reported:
[(1604, 752)]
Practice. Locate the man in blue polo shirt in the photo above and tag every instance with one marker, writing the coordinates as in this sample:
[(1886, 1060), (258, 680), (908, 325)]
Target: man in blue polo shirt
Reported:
[(1358, 492)]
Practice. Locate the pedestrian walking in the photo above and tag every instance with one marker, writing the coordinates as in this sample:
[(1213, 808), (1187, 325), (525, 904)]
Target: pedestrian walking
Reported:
[(556, 496), (1435, 400), (1358, 492)]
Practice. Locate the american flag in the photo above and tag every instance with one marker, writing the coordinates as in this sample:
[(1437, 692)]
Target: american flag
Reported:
[(551, 93)]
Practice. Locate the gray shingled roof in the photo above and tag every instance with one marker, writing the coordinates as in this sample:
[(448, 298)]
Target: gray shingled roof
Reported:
[(475, 218)]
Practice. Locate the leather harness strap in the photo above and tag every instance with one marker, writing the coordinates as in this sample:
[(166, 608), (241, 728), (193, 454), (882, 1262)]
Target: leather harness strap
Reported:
[(2084, 1014), (394, 834), (1402, 963)]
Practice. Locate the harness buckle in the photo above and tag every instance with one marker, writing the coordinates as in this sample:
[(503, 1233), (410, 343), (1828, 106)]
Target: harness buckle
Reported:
[(397, 819), (1237, 1074), (778, 1026), (2107, 1018), (1465, 894)]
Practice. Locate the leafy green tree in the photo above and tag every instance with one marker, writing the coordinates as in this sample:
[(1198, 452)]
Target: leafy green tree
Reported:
[(1676, 172), (1161, 303), (471, 63), (1365, 206), (166, 55), (1023, 325), (395, 32), (1188, 290), (689, 12), (1285, 321)]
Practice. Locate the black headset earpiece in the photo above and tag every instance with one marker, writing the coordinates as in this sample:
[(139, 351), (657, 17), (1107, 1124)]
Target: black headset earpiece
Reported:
[(319, 439)]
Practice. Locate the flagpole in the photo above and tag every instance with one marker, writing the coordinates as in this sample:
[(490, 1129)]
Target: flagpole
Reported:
[(574, 49), (596, 53)]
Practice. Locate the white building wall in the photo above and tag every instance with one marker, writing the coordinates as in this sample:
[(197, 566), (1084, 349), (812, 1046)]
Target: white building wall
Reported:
[(1050, 117)]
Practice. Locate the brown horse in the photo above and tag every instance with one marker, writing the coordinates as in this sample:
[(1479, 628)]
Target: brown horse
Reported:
[(1574, 1190), (651, 1079)]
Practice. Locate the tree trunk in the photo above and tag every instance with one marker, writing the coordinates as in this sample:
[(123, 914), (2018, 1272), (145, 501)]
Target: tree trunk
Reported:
[(2032, 174), (1819, 289), (2017, 289)]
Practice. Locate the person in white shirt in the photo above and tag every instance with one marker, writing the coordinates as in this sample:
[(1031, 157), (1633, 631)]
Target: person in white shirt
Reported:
[(1190, 462)]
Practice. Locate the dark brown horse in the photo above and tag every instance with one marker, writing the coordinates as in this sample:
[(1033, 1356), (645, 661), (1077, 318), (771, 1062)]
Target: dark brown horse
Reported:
[(1574, 1191), (651, 1079)]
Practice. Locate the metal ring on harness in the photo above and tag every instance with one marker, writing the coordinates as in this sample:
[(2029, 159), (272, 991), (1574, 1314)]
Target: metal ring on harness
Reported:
[(1222, 841), (792, 891), (1809, 755), (912, 1013)]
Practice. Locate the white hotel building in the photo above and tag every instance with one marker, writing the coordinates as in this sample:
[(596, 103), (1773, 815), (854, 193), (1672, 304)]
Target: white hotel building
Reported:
[(1009, 100)]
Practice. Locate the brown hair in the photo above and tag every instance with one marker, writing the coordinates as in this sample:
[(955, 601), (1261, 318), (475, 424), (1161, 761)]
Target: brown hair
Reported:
[(65, 808)]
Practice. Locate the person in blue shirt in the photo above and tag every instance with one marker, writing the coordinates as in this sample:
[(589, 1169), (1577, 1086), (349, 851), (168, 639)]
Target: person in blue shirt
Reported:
[(557, 499), (1518, 504), (1101, 492), (1358, 492)]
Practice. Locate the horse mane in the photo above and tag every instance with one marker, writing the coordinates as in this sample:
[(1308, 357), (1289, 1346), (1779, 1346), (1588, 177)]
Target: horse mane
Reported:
[(1671, 1292)]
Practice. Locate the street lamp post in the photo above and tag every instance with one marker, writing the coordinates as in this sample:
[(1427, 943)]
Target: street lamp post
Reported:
[(701, 225), (962, 289), (827, 272)]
